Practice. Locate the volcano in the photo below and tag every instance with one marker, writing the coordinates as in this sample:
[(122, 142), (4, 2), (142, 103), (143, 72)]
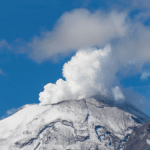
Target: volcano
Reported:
[(86, 124)]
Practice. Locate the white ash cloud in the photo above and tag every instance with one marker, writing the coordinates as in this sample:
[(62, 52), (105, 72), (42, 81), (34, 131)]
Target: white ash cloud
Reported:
[(118, 93), (89, 72)]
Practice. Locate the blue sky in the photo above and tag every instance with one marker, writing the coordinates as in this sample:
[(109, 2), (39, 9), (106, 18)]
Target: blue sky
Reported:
[(24, 72)]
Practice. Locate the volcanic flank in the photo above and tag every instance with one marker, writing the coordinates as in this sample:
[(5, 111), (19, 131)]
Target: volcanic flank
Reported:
[(91, 123)]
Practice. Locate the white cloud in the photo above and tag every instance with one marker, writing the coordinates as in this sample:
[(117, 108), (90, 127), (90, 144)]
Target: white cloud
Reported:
[(81, 29), (145, 75), (76, 30), (134, 48)]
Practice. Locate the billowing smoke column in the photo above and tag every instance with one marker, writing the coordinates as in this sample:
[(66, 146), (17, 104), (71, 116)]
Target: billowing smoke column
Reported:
[(89, 72)]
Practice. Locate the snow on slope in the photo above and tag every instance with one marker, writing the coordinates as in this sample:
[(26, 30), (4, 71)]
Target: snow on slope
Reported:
[(82, 124)]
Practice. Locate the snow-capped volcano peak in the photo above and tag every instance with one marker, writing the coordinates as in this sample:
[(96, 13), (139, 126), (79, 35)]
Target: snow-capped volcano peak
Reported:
[(69, 125)]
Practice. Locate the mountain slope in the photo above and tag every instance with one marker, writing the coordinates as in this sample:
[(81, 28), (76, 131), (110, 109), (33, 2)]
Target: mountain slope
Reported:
[(140, 138), (69, 125)]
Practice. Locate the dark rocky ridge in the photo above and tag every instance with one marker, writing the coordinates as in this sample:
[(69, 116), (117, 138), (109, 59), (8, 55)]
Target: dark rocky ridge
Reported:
[(139, 139)]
